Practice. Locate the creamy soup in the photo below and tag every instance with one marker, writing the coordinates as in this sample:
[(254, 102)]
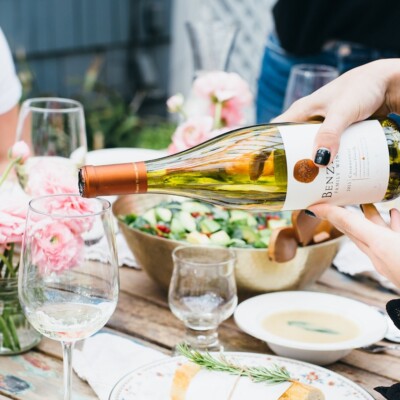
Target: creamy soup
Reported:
[(310, 326)]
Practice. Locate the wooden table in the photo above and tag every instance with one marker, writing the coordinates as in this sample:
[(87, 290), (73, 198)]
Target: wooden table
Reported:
[(143, 313)]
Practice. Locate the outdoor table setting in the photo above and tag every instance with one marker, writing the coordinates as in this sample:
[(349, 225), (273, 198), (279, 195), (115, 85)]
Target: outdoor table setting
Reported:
[(142, 333), (144, 290)]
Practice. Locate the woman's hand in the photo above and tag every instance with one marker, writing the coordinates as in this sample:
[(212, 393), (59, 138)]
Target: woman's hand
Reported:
[(380, 241), (372, 89)]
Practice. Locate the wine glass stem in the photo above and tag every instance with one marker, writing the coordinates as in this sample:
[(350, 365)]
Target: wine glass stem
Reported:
[(67, 357), (205, 339)]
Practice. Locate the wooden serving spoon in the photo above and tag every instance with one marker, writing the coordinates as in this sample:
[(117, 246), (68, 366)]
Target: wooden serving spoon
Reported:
[(282, 244)]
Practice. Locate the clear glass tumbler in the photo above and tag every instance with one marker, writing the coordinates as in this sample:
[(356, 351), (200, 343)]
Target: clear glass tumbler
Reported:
[(202, 292), (305, 79)]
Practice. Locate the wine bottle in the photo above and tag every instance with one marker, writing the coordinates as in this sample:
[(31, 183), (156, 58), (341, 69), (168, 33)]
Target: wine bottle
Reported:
[(265, 167)]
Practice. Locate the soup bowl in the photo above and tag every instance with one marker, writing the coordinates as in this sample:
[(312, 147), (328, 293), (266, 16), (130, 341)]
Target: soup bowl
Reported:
[(367, 325)]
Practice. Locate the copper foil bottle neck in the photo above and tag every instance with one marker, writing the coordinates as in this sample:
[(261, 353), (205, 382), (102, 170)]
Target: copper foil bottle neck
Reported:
[(116, 179)]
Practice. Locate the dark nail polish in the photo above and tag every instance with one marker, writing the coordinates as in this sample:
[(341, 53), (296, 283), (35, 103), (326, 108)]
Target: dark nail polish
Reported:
[(309, 213), (322, 156)]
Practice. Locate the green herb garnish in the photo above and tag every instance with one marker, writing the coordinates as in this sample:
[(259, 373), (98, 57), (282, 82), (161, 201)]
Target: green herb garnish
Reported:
[(272, 375)]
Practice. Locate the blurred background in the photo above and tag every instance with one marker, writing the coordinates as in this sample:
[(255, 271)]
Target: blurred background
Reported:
[(123, 58)]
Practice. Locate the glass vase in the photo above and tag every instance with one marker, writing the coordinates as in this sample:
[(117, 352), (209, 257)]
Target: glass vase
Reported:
[(16, 334)]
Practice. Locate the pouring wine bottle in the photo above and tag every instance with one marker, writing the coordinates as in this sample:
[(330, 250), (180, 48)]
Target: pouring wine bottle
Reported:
[(265, 167)]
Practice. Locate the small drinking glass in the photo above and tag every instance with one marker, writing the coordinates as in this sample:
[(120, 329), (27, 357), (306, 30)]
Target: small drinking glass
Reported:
[(305, 79), (202, 292), (68, 284)]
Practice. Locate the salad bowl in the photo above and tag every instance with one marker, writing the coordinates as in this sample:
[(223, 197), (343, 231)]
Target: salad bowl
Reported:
[(255, 272)]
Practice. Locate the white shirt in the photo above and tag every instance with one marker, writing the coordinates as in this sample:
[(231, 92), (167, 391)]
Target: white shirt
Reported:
[(10, 86)]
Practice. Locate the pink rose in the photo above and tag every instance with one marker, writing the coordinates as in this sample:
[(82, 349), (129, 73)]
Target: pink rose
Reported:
[(12, 219), (20, 150), (55, 247), (190, 133), (51, 175), (175, 103)]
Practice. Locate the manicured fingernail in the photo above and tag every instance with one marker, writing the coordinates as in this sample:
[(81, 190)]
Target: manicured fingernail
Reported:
[(309, 213), (322, 156)]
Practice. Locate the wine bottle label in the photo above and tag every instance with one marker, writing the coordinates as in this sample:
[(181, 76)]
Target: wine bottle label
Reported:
[(358, 174)]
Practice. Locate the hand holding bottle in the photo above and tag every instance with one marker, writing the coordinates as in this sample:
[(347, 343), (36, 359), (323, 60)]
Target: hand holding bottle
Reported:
[(372, 235), (373, 89)]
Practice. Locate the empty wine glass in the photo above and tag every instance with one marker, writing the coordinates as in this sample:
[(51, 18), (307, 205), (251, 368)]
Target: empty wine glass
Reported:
[(53, 127), (305, 79), (202, 292), (212, 43), (68, 286)]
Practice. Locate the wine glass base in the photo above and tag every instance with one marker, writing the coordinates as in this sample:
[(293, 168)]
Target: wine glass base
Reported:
[(216, 348)]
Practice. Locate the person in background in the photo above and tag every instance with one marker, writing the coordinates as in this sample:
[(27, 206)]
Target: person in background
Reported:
[(341, 33), (10, 94)]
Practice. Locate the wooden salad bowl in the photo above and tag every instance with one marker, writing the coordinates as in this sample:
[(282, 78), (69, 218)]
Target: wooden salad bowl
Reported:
[(255, 271)]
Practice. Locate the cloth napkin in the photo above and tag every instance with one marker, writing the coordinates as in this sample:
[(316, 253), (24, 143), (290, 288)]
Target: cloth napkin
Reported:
[(105, 358)]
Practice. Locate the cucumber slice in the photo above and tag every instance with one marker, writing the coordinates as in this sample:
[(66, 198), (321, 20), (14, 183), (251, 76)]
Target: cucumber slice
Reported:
[(176, 226), (195, 207), (249, 235), (187, 221), (276, 223), (150, 217), (239, 215), (208, 225), (220, 238), (163, 214), (197, 238)]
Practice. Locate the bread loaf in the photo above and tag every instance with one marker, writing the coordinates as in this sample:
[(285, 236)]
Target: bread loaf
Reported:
[(300, 391)]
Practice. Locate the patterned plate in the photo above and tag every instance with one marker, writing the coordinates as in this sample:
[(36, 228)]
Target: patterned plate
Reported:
[(153, 381)]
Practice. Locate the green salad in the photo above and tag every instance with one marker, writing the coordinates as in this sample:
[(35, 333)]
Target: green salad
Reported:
[(200, 223)]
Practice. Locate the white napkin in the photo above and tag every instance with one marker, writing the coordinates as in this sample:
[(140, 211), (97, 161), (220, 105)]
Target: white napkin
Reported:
[(105, 358), (351, 260)]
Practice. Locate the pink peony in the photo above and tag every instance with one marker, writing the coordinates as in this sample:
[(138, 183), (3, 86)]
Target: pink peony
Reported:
[(55, 247), (71, 206), (226, 88), (20, 150), (51, 175), (190, 133), (12, 219), (175, 103)]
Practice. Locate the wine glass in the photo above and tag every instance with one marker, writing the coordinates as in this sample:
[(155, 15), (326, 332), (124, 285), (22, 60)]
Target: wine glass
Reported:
[(53, 127), (202, 292), (305, 79), (212, 43), (68, 284)]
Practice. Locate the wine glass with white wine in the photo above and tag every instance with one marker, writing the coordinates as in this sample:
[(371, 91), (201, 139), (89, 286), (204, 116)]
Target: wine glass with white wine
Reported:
[(68, 284)]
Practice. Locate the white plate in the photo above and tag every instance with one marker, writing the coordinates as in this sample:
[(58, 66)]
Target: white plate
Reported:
[(250, 314), (153, 381), (121, 155)]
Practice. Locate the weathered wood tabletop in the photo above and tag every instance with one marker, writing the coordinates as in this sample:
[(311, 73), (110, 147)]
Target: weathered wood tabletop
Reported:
[(143, 313)]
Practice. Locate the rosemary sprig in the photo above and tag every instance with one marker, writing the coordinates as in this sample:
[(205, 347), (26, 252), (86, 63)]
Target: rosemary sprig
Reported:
[(272, 375)]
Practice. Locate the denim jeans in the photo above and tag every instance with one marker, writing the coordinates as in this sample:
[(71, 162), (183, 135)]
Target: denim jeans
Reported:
[(277, 63)]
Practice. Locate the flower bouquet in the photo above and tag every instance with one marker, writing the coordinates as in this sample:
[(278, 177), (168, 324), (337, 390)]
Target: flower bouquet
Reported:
[(218, 103), (16, 334), (51, 175)]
